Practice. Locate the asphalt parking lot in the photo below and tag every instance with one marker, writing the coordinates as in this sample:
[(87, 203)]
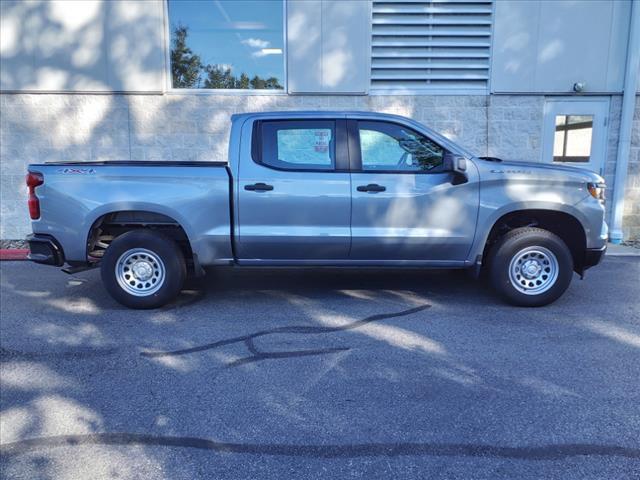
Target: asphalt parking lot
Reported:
[(320, 373)]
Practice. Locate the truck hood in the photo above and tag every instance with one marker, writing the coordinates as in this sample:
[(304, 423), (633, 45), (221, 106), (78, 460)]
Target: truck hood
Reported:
[(539, 169)]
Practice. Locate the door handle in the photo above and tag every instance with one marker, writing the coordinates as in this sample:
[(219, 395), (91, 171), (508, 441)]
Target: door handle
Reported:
[(372, 187), (258, 187)]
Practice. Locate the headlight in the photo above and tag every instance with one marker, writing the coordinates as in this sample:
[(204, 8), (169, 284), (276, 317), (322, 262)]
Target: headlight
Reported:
[(597, 191)]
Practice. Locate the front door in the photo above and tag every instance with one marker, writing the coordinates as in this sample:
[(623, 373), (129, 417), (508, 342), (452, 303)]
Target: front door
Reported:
[(575, 132), (294, 192), (404, 207)]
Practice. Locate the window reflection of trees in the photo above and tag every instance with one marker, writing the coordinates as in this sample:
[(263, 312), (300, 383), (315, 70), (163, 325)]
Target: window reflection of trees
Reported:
[(188, 70), (425, 154), (389, 146)]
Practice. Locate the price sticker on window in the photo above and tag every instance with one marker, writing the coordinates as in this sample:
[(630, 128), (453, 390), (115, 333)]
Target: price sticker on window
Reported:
[(321, 144)]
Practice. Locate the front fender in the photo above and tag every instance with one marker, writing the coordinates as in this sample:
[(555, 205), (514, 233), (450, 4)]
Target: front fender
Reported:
[(488, 217)]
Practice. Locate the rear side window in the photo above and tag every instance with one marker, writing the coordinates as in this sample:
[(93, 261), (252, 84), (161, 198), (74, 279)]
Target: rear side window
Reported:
[(391, 147), (299, 144)]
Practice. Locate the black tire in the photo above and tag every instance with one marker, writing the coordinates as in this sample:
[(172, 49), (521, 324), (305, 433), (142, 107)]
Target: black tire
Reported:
[(509, 248), (167, 275)]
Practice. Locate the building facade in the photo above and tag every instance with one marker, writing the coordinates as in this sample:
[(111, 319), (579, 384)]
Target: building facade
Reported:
[(537, 81)]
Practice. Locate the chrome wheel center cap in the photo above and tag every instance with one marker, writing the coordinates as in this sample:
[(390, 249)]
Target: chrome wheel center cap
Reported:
[(142, 270)]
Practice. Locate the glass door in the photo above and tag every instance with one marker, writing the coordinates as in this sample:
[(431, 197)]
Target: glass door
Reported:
[(575, 133)]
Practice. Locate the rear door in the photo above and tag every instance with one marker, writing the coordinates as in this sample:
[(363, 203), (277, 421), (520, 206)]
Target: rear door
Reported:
[(404, 207), (294, 192)]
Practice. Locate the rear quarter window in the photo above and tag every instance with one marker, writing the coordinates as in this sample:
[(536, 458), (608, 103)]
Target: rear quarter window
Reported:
[(298, 145)]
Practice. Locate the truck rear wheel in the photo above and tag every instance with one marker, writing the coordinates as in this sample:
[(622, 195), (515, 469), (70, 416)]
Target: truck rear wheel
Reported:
[(143, 269), (530, 267)]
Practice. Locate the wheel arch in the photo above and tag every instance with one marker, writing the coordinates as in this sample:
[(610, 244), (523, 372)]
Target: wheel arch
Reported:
[(109, 223), (562, 222)]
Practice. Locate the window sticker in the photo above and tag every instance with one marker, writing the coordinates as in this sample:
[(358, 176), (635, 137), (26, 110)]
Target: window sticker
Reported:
[(304, 146), (322, 141)]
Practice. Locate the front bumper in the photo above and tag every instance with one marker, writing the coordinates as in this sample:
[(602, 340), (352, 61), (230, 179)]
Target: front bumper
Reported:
[(45, 249), (593, 256)]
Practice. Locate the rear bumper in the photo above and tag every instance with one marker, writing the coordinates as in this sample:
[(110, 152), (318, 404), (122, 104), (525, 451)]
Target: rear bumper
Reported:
[(45, 249), (593, 256)]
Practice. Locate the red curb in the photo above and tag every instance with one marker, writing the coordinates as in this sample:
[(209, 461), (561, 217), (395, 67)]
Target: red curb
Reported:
[(14, 254)]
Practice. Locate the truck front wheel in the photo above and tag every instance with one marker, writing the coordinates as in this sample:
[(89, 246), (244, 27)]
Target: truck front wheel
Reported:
[(530, 267), (143, 269)]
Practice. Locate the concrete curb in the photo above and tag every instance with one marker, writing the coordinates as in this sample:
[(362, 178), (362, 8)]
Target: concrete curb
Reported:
[(622, 251), (14, 254)]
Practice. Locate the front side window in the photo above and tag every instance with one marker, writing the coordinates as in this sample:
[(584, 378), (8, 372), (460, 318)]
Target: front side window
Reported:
[(299, 145), (227, 44), (391, 147)]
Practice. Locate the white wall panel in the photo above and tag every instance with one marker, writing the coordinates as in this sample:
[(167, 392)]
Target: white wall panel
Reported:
[(304, 46), (549, 46), (91, 45), (328, 46), (346, 26)]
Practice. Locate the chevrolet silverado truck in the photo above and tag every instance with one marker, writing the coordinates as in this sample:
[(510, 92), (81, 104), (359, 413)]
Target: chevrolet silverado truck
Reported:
[(350, 189)]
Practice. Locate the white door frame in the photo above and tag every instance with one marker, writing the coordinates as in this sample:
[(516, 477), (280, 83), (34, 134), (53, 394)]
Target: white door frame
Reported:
[(596, 106)]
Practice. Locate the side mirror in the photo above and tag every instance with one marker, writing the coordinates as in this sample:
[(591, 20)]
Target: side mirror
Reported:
[(456, 164)]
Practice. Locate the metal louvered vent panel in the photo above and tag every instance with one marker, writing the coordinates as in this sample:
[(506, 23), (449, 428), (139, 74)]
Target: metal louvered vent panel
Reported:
[(431, 45)]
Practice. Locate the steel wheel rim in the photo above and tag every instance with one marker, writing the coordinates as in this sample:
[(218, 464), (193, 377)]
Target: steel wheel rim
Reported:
[(140, 272), (533, 270)]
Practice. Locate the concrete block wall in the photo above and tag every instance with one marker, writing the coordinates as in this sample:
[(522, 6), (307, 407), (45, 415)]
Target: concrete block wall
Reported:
[(78, 127), (515, 127), (631, 215)]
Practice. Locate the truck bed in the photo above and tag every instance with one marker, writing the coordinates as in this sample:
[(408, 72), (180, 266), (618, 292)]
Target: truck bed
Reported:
[(196, 195)]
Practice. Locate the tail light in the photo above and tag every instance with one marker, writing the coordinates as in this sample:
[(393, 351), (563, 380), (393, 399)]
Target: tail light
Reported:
[(34, 179)]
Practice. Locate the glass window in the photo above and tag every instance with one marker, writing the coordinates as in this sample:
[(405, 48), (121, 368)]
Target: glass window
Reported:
[(299, 145), (391, 147), (224, 44), (572, 140)]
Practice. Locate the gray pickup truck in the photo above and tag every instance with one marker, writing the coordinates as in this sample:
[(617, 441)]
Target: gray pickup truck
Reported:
[(333, 189)]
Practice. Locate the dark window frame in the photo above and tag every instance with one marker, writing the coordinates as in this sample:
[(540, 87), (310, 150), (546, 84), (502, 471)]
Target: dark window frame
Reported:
[(355, 149), (341, 151)]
